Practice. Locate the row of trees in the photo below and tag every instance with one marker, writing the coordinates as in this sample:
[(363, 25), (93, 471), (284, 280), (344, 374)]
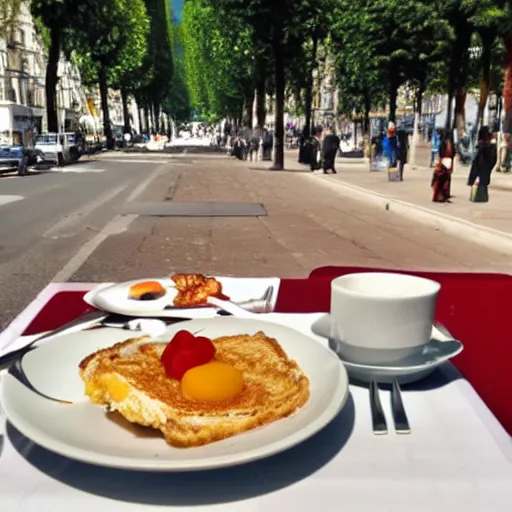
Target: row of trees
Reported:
[(237, 50), (120, 44)]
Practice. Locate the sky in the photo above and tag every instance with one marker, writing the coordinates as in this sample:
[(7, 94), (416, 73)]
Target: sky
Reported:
[(176, 6)]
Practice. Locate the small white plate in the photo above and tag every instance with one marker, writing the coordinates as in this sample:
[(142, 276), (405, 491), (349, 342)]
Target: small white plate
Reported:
[(114, 298), (414, 368), (82, 431)]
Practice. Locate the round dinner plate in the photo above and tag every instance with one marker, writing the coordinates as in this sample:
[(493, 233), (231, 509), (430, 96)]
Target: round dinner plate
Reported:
[(83, 431), (114, 297)]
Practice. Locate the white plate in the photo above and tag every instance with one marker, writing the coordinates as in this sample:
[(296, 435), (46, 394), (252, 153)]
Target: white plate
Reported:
[(414, 368), (82, 431), (113, 298)]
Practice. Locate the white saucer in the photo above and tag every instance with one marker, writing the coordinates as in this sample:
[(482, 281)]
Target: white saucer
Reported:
[(439, 350)]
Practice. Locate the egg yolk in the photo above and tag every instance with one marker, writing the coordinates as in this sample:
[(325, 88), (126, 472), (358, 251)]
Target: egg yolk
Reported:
[(212, 382)]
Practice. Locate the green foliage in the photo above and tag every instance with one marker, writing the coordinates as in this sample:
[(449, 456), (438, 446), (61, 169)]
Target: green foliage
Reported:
[(158, 64), (220, 61)]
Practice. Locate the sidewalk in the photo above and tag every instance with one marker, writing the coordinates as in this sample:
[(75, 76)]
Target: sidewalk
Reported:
[(488, 224), (308, 225)]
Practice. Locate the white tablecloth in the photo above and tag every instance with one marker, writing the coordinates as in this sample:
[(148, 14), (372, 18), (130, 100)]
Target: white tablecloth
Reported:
[(458, 458)]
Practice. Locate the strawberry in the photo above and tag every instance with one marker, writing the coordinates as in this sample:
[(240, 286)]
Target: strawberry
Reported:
[(205, 348), (182, 340), (183, 361)]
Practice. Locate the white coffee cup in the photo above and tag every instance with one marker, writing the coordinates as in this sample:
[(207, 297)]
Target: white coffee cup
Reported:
[(381, 318)]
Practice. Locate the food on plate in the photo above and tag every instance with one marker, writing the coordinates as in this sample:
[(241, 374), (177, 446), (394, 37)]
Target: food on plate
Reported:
[(146, 290), (195, 390), (194, 289)]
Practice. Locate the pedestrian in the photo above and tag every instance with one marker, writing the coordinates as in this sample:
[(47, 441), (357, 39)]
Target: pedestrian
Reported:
[(482, 166), (434, 148), (442, 177), (389, 145), (402, 152), (315, 160), (330, 146)]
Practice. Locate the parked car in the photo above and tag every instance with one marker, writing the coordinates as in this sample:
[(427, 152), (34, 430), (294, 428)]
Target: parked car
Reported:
[(19, 158), (56, 148)]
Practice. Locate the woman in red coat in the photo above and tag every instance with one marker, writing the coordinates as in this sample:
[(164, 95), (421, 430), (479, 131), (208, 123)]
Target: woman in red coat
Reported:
[(442, 178)]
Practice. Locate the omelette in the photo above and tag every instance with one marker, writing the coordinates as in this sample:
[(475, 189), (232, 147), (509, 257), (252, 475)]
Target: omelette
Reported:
[(130, 378)]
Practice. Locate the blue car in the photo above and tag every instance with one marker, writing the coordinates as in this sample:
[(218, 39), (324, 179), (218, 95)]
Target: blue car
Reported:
[(18, 158)]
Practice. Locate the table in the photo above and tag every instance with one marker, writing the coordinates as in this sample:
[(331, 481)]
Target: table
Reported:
[(458, 457)]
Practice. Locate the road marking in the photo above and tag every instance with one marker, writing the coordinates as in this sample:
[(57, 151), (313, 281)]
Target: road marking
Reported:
[(117, 225), (78, 169), (148, 161), (9, 199), (83, 212)]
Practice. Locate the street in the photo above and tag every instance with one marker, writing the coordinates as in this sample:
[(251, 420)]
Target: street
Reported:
[(81, 224), (48, 217)]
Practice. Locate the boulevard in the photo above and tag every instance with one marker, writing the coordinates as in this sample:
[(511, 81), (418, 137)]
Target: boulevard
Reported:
[(81, 224)]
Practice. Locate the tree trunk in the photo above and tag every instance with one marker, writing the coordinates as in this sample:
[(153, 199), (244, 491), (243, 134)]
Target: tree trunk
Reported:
[(261, 113), (107, 128), (459, 62), (147, 129), (308, 99), (169, 126), (367, 110), (151, 109), (507, 87), (280, 86), (460, 112), (487, 41), (417, 120), (126, 112), (156, 117), (51, 80), (393, 94), (140, 114)]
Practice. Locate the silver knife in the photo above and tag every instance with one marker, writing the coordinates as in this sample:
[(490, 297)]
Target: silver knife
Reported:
[(7, 359), (379, 424)]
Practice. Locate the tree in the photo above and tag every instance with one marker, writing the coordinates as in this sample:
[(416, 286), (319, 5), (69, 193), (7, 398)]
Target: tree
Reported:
[(128, 74), (159, 60), (56, 16), (99, 36), (9, 12)]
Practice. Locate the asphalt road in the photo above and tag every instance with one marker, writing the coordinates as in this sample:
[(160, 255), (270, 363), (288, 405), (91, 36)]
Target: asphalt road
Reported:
[(48, 219)]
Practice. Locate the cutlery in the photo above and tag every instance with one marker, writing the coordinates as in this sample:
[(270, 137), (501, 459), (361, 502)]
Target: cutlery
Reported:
[(7, 359), (397, 406), (378, 418), (15, 368), (103, 320), (244, 309)]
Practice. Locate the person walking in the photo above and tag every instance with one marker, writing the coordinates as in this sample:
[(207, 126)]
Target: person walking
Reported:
[(482, 166), (315, 161), (434, 152), (402, 152), (442, 177), (330, 146), (389, 145)]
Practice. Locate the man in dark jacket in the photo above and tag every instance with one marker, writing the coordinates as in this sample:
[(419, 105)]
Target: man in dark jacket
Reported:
[(483, 164), (330, 147)]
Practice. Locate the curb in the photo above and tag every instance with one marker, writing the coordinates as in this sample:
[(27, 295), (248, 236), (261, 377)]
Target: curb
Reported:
[(481, 235)]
